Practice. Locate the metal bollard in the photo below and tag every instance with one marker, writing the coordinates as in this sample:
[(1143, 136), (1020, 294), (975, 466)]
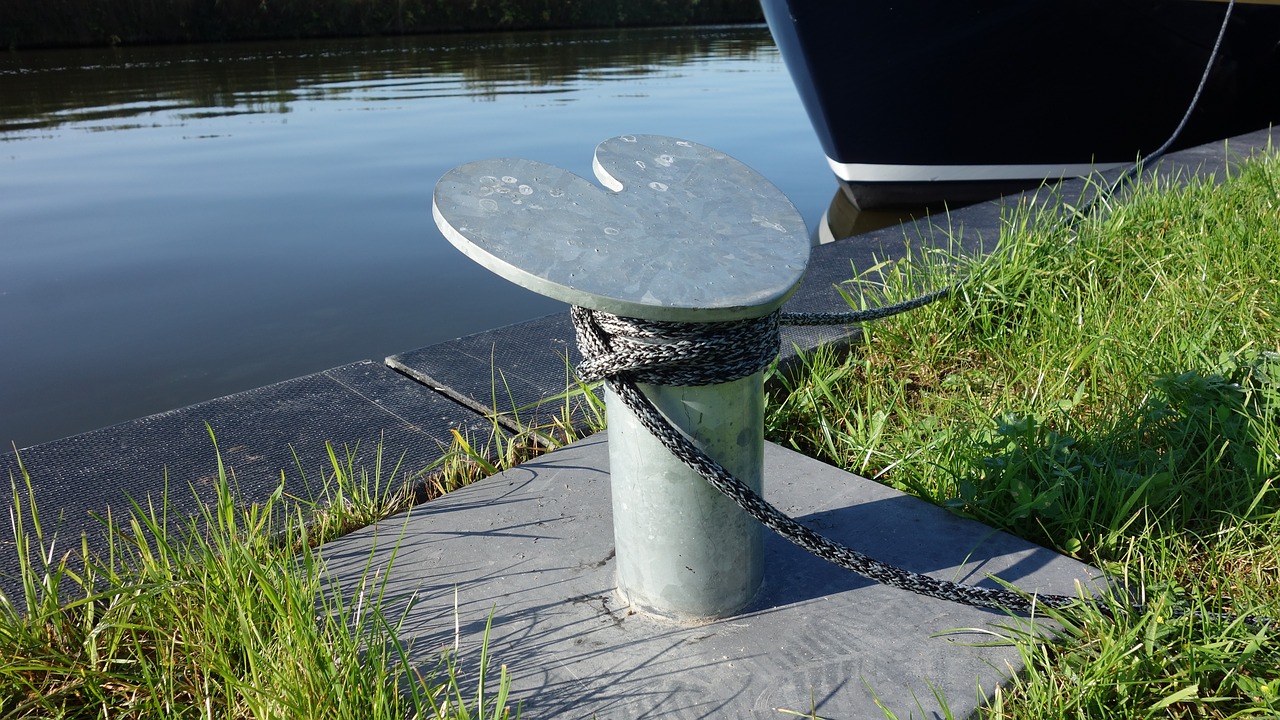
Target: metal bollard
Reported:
[(683, 233)]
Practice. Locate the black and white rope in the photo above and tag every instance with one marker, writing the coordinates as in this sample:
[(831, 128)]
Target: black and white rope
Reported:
[(621, 351), (860, 316), (668, 353)]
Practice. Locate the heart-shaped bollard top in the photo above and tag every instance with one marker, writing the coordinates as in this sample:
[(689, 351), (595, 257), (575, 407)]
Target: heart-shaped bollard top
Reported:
[(683, 232)]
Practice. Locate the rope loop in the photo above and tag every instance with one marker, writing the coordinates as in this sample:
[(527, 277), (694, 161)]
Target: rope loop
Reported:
[(673, 353)]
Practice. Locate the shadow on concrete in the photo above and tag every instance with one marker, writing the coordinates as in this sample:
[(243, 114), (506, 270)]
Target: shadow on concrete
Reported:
[(533, 548)]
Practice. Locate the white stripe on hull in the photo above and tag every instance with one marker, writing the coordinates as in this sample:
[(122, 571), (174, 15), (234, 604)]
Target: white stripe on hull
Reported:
[(875, 173)]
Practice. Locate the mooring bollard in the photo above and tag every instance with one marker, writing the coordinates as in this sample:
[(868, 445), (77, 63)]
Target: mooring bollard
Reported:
[(683, 234)]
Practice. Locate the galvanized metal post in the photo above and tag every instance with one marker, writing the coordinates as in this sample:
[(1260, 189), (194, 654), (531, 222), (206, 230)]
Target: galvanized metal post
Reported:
[(684, 550), (683, 233)]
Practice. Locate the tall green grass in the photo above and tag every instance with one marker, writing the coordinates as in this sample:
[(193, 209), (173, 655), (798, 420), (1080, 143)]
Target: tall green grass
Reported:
[(226, 615), (230, 614), (1110, 389)]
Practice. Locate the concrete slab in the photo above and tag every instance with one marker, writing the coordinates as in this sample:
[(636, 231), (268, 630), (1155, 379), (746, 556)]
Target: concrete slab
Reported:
[(534, 547), (354, 407)]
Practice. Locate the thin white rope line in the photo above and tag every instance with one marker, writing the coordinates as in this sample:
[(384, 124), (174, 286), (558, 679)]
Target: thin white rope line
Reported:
[(1135, 169)]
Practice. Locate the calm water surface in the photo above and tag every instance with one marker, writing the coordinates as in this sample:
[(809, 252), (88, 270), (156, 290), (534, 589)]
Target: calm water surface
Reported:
[(182, 223)]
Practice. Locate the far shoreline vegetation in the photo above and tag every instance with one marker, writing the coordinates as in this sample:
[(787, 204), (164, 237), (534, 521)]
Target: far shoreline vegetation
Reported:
[(33, 24)]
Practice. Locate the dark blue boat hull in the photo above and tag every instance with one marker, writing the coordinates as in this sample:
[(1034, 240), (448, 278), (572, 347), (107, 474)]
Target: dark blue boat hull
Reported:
[(926, 101)]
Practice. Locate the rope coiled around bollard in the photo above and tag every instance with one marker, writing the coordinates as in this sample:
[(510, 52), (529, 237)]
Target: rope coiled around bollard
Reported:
[(625, 351)]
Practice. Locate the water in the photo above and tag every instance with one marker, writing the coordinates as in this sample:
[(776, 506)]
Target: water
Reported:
[(182, 223)]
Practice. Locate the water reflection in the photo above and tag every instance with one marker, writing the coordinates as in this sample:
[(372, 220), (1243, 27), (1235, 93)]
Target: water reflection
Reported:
[(105, 89), (182, 223), (844, 219)]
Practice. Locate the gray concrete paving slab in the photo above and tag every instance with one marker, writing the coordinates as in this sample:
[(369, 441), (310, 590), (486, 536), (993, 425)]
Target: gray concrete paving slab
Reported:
[(533, 547)]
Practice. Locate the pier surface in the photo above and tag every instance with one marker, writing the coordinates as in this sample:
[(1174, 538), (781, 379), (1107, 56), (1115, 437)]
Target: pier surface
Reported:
[(533, 547)]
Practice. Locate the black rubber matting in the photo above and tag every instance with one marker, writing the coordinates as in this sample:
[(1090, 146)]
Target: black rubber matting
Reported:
[(522, 371), (354, 407)]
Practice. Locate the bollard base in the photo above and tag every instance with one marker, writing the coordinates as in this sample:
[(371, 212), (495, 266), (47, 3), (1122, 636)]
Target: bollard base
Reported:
[(662, 616)]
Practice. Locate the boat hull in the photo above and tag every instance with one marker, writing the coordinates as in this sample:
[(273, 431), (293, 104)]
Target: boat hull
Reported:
[(924, 101)]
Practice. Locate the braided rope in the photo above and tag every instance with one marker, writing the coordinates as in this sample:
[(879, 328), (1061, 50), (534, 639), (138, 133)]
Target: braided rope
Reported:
[(858, 316), (669, 353), (622, 361)]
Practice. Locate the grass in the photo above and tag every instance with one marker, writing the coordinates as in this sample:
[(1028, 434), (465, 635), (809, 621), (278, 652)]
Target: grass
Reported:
[(1109, 389), (230, 614)]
